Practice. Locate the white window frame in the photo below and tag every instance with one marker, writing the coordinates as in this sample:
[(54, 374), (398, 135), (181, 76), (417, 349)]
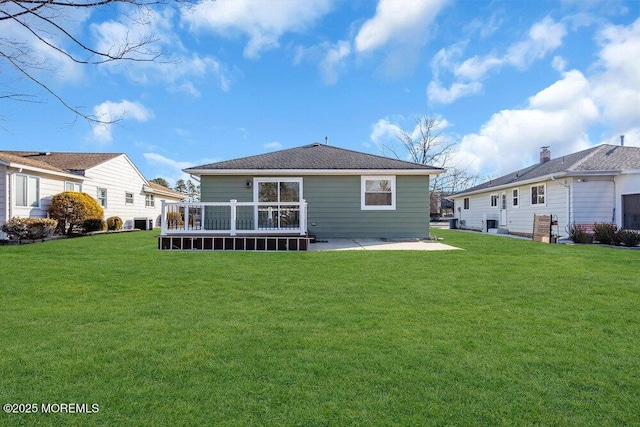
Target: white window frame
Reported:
[(515, 197), (466, 202), (149, 200), (363, 188), (102, 200), (494, 200), (75, 186), (257, 181), (25, 190), (544, 195), (128, 200)]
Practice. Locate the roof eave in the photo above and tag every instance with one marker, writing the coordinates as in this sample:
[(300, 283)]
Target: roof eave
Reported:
[(41, 170), (296, 172)]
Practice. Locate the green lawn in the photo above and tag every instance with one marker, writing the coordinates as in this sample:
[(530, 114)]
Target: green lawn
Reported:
[(505, 332)]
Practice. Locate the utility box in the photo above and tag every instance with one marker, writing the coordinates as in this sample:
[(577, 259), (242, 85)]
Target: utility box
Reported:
[(143, 223)]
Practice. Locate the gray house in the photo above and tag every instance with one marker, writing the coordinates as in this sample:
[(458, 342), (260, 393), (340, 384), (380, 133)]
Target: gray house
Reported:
[(600, 184), (291, 195)]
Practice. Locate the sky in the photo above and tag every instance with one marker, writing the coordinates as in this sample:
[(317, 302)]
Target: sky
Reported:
[(246, 77)]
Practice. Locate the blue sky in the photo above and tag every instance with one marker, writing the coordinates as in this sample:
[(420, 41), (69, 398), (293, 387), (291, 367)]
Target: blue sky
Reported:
[(244, 77)]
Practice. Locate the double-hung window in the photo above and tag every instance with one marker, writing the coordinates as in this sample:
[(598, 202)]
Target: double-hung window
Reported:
[(494, 200), (102, 197), (72, 186), (465, 202), (149, 200), (128, 198), (27, 191), (537, 194), (378, 193), (515, 197)]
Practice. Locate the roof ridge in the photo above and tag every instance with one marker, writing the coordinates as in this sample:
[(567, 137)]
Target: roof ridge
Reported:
[(594, 151)]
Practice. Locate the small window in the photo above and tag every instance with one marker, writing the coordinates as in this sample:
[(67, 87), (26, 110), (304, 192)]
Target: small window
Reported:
[(128, 198), (515, 197), (378, 193), (149, 201), (537, 194), (27, 191), (494, 200), (466, 203), (102, 197), (72, 186)]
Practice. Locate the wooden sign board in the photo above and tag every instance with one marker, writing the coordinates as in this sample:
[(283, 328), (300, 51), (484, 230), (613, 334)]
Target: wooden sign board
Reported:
[(542, 228)]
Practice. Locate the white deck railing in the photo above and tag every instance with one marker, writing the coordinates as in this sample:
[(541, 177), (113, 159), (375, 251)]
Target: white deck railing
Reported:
[(234, 218)]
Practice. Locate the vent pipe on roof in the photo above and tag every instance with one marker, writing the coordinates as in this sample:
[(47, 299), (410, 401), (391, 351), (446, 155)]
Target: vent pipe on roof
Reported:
[(622, 140), (545, 154), (326, 140)]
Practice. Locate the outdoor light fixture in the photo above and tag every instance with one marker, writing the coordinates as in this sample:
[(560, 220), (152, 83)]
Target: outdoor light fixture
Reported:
[(248, 183)]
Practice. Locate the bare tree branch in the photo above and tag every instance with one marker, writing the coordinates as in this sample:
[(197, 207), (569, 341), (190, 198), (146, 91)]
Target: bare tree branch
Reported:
[(46, 21)]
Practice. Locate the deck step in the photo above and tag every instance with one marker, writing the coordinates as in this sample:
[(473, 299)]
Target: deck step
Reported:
[(228, 243)]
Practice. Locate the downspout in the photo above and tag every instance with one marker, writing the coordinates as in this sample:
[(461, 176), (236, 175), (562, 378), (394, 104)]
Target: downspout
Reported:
[(568, 187)]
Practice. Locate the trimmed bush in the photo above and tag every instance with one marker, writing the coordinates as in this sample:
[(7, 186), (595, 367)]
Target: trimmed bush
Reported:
[(30, 228), (578, 234), (94, 224), (605, 233), (114, 223), (629, 238), (71, 209)]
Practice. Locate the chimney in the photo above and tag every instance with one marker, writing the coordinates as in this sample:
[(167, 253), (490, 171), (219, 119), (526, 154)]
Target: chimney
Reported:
[(622, 140), (545, 154)]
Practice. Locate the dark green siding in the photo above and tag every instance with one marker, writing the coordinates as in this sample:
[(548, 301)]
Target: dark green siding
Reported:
[(334, 205)]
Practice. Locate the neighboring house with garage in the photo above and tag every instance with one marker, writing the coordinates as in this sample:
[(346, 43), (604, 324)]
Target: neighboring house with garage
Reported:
[(28, 181), (600, 184), (314, 190)]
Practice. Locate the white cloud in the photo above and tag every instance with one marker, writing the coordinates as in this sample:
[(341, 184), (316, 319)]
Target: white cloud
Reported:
[(398, 21), (263, 22), (110, 111), (559, 116), (439, 94), (275, 145), (167, 168), (543, 38), (617, 85), (332, 63), (156, 31)]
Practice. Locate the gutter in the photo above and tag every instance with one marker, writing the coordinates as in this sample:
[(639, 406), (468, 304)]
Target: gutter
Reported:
[(298, 172)]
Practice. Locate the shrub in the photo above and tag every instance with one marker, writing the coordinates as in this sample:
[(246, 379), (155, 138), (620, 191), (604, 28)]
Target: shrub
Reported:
[(578, 234), (629, 238), (605, 233), (93, 224), (114, 223), (72, 208), (29, 228), (174, 219)]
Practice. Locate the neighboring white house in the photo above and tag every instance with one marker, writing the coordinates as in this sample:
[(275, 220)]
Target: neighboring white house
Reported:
[(600, 184), (28, 180)]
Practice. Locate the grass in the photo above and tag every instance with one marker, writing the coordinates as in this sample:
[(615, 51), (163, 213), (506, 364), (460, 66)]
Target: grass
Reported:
[(506, 332)]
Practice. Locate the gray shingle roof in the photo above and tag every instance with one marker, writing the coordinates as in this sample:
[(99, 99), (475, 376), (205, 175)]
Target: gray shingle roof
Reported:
[(56, 161), (603, 158), (314, 157)]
